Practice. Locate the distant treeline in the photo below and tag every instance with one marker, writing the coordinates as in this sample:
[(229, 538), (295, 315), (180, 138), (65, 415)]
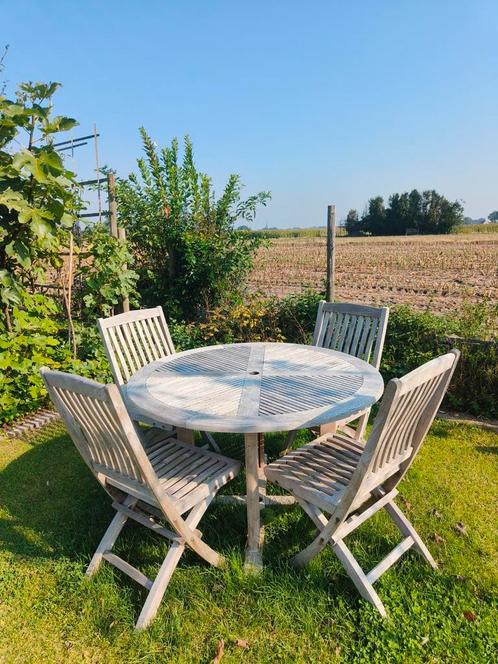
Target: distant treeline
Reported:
[(425, 212)]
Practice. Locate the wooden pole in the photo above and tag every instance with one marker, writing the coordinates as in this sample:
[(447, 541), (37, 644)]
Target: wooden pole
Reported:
[(329, 295), (113, 211), (126, 301)]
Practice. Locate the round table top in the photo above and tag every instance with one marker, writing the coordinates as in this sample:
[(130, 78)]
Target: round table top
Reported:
[(253, 388)]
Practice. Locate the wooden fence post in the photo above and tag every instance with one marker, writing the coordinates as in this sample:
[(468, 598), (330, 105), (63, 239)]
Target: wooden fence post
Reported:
[(329, 294)]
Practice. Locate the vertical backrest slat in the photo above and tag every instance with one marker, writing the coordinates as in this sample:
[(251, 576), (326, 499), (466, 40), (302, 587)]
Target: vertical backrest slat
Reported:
[(117, 361), (352, 328), (152, 348), (134, 339), (368, 324), (137, 344), (353, 348), (127, 348), (319, 325), (144, 342), (381, 337)]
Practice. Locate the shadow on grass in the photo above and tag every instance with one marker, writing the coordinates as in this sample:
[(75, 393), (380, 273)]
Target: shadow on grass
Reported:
[(487, 449)]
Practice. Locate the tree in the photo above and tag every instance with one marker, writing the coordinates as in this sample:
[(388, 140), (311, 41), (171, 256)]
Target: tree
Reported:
[(493, 216), (354, 225), (397, 214), (188, 253), (427, 212), (375, 219)]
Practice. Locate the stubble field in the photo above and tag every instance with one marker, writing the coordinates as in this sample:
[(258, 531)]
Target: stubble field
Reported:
[(439, 272)]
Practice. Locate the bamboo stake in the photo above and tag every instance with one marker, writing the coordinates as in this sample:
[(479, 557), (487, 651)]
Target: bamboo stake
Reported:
[(126, 301), (67, 295)]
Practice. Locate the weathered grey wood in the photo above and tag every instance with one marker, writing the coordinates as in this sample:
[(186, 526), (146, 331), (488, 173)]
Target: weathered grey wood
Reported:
[(216, 388), (390, 559), (149, 471), (254, 560), (252, 388), (128, 569), (338, 476), (134, 339)]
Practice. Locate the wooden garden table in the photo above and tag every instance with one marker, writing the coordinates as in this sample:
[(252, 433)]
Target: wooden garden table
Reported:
[(253, 388)]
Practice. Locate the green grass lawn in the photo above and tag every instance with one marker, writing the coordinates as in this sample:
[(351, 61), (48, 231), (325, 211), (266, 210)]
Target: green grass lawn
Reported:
[(53, 513)]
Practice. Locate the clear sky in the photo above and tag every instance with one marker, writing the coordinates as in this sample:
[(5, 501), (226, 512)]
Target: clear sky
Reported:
[(318, 102)]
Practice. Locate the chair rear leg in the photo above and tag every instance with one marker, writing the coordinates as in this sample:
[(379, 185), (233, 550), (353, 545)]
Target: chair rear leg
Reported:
[(361, 426), (358, 576), (406, 529), (110, 537), (209, 438), (291, 437)]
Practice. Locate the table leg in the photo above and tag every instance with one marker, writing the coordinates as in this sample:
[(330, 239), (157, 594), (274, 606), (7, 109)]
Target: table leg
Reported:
[(328, 428), (185, 435), (254, 559)]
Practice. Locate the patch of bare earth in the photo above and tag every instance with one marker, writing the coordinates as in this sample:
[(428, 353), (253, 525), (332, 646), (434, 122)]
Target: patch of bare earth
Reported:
[(438, 272)]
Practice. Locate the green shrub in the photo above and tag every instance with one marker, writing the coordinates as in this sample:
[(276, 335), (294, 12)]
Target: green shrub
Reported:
[(188, 253)]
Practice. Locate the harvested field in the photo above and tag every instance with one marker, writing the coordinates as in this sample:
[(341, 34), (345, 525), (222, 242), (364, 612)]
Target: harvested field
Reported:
[(437, 272)]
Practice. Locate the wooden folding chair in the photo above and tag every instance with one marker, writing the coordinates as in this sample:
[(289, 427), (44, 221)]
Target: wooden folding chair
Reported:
[(354, 329), (151, 479), (338, 476), (134, 339)]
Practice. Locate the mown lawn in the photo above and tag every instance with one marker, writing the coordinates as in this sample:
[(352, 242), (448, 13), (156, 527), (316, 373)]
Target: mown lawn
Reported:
[(52, 514)]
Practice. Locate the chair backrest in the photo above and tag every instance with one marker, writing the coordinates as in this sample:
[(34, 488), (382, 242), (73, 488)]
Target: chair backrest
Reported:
[(134, 339), (100, 427), (408, 409), (352, 328)]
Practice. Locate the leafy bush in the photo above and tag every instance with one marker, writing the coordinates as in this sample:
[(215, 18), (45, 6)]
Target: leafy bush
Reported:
[(39, 199), (34, 340), (101, 277), (188, 254)]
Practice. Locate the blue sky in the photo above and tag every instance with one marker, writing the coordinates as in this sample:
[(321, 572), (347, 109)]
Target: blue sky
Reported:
[(317, 102)]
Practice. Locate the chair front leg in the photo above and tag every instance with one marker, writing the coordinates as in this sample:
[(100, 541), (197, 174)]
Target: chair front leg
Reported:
[(156, 593), (170, 563), (358, 576)]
